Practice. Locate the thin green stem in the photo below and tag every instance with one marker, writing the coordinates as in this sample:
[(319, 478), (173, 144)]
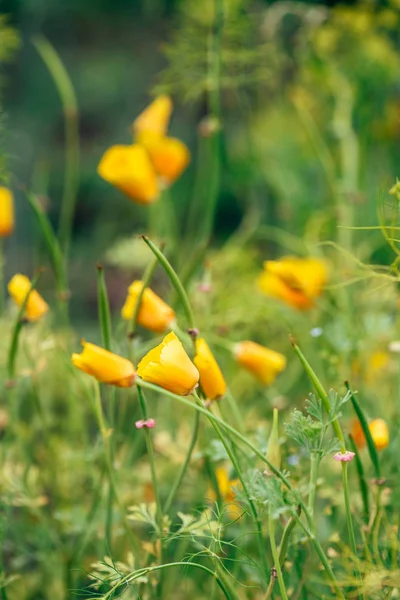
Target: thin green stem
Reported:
[(180, 290), (105, 434), (353, 544), (184, 466), (275, 556), (142, 572), (322, 395), (150, 453), (69, 102), (103, 309), (361, 479), (314, 464)]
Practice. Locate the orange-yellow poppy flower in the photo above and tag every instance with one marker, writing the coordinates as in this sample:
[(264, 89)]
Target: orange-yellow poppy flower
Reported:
[(379, 433), (212, 381), (169, 366), (227, 492), (262, 362), (36, 307), (130, 169), (6, 212), (295, 281), (169, 156), (154, 313), (105, 366), (155, 118)]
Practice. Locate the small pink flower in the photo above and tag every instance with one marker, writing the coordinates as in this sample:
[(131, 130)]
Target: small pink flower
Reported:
[(205, 287), (149, 423), (344, 456)]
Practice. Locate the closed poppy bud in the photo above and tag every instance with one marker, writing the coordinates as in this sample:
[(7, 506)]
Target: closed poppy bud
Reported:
[(6, 212), (169, 366), (129, 169), (155, 118), (212, 381), (169, 156), (379, 433), (154, 313), (36, 307), (264, 363), (295, 281), (105, 366)]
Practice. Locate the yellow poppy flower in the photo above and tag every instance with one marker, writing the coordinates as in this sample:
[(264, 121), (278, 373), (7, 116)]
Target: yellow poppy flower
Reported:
[(296, 281), (169, 156), (227, 492), (18, 288), (169, 366), (379, 433), (105, 366), (155, 118), (212, 381), (154, 313), (264, 363), (6, 212), (129, 169)]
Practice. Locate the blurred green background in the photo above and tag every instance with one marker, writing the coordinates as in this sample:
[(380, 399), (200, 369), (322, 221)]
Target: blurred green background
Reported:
[(310, 94)]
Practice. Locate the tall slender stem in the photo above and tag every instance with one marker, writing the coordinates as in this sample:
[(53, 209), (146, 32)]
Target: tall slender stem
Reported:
[(184, 466), (314, 464), (150, 453), (67, 94)]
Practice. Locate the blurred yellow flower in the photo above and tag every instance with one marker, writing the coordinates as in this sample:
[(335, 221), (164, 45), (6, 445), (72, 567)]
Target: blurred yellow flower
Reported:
[(153, 160), (18, 288), (379, 433), (262, 362), (129, 169), (296, 281), (155, 118), (212, 381), (169, 156), (6, 212), (105, 366), (226, 491), (154, 313), (169, 366)]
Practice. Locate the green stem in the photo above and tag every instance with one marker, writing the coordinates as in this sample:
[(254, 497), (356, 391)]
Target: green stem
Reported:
[(234, 460), (322, 395), (142, 572), (349, 518), (104, 309), (314, 460), (180, 290), (361, 479), (282, 551), (150, 453), (105, 434), (55, 253), (69, 102), (184, 466), (373, 453), (275, 556)]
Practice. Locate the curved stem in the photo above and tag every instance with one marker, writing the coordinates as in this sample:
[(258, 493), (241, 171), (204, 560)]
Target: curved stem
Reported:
[(184, 466), (176, 282), (141, 572), (69, 102)]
